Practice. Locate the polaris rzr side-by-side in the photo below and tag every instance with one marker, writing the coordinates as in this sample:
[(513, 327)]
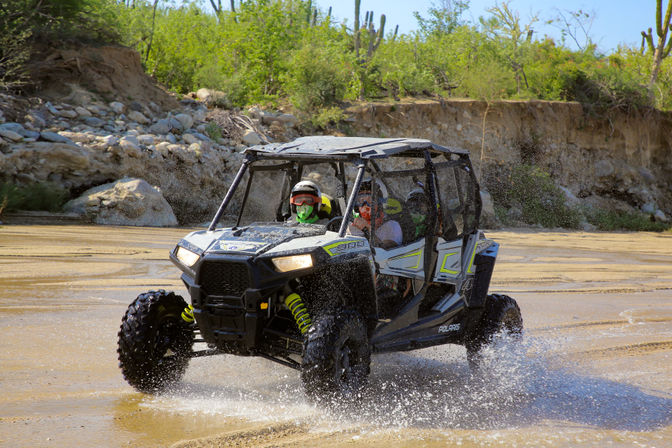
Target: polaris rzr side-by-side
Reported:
[(332, 248)]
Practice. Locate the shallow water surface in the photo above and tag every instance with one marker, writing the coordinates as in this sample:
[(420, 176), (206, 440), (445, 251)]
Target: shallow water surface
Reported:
[(593, 368)]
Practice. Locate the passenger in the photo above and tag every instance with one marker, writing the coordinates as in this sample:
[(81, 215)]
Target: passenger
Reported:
[(306, 201), (417, 206), (388, 232)]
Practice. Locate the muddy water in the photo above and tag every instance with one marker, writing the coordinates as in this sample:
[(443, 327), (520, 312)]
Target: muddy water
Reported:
[(594, 369)]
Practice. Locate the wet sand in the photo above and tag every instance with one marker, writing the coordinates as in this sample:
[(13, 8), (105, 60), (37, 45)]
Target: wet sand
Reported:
[(594, 368)]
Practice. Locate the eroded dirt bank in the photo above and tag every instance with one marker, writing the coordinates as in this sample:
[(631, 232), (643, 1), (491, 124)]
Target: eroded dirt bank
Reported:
[(614, 156), (593, 369)]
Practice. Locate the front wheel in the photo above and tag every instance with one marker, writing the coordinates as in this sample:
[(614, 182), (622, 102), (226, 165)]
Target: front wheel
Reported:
[(501, 315), (154, 341), (337, 356)]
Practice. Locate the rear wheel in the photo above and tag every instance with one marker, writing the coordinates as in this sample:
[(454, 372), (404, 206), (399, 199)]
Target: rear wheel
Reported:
[(501, 315), (337, 356), (154, 341)]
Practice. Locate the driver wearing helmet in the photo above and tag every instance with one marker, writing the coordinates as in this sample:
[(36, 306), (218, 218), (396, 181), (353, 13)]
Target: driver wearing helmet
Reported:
[(388, 233), (417, 205), (306, 200)]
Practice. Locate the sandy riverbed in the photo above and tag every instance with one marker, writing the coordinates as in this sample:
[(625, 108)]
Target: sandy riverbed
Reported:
[(594, 368)]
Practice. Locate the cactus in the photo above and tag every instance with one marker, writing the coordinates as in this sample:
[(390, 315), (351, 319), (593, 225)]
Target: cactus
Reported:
[(375, 37), (356, 29), (662, 49)]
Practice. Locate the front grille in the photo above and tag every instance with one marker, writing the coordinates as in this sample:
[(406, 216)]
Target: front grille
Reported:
[(224, 278)]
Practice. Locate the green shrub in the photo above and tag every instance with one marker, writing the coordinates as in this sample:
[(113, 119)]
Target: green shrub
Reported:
[(326, 117), (635, 221), (532, 191), (213, 131), (39, 196), (317, 77), (402, 71)]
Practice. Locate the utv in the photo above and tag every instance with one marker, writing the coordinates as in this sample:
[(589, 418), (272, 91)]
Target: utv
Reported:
[(318, 297)]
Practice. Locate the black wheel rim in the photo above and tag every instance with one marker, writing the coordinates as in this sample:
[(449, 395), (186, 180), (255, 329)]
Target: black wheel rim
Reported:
[(347, 376)]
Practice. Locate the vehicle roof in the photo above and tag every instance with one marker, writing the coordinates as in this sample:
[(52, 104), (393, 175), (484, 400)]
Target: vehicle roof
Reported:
[(350, 147)]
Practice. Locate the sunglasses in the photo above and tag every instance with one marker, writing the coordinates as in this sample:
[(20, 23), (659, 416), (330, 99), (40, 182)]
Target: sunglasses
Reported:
[(304, 199), (364, 200)]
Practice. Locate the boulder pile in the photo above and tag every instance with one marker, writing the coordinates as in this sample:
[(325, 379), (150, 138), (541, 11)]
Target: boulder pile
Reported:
[(190, 153)]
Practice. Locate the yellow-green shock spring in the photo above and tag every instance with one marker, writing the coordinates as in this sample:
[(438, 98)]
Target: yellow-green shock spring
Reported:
[(188, 314), (299, 311)]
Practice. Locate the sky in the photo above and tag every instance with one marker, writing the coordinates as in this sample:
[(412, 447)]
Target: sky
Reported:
[(615, 21)]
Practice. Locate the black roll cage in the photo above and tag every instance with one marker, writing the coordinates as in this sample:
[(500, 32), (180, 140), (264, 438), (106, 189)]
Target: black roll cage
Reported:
[(297, 162)]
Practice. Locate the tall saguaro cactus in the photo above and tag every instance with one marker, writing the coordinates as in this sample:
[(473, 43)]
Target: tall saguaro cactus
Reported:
[(663, 46), (375, 37)]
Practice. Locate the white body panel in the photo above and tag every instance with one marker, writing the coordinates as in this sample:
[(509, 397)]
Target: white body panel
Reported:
[(404, 261)]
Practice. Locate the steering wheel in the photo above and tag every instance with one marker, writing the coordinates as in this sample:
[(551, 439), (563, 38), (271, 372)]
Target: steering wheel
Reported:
[(334, 223)]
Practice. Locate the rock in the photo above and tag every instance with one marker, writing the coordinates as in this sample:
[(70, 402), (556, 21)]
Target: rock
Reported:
[(171, 138), (190, 139), (14, 127), (67, 113), (202, 137), (138, 107), (287, 119), (35, 119), (196, 150), (82, 112), (52, 110), (660, 216), (94, 122), (79, 137), (155, 108), (127, 202), (55, 138), (267, 117), (146, 139), (11, 135), (32, 135), (251, 138), (161, 127), (95, 109), (488, 217), (185, 120), (570, 199), (587, 227), (603, 168), (138, 117), (175, 124), (213, 98), (163, 148), (130, 146), (649, 208), (254, 112), (203, 94), (109, 140), (646, 175), (117, 107)]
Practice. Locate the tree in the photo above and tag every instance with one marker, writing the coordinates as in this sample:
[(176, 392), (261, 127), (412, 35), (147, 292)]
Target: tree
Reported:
[(504, 26), (662, 48), (444, 17), (575, 25)]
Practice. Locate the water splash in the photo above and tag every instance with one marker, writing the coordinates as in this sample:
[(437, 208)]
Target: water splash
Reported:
[(518, 384)]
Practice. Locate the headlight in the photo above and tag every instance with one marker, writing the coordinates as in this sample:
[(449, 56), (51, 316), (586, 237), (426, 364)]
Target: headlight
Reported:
[(292, 263), (186, 257)]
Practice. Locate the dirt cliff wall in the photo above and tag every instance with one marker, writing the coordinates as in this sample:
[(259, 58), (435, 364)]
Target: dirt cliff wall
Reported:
[(627, 157)]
